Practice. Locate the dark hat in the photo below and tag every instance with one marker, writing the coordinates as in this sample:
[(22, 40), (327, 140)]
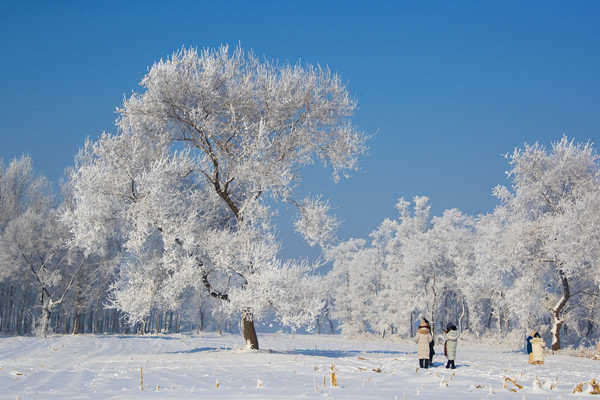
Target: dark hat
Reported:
[(449, 326)]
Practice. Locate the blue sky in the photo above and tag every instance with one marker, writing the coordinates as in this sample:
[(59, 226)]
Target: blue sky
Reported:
[(448, 86)]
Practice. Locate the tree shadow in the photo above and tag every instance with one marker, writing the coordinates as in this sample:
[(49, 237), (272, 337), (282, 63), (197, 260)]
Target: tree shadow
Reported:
[(133, 336), (200, 350), (442, 365)]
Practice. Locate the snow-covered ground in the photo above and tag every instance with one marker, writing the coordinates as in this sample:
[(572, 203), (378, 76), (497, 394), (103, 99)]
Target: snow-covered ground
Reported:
[(210, 366)]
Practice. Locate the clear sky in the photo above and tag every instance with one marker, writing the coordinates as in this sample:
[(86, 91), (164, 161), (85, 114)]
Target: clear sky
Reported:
[(447, 86)]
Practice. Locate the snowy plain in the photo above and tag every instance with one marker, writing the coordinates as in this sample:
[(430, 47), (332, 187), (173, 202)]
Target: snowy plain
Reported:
[(212, 366)]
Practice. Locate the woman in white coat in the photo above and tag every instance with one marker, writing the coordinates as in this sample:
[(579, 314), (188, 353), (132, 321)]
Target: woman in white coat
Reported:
[(423, 338), (537, 347), (451, 336)]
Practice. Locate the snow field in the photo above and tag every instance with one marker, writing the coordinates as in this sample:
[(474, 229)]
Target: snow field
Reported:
[(209, 366)]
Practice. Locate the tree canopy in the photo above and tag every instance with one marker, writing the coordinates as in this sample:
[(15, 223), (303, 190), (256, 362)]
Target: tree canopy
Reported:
[(187, 184)]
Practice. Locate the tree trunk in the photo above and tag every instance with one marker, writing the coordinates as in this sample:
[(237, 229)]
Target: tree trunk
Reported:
[(462, 315), (157, 322), (248, 331), (21, 316), (8, 311), (201, 322), (433, 306), (76, 319), (45, 317), (45, 320), (557, 320)]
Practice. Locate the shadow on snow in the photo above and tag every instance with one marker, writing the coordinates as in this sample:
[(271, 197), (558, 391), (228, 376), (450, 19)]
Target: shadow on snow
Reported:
[(339, 353)]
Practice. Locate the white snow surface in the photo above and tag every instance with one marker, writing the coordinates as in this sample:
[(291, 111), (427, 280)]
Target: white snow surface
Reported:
[(212, 366)]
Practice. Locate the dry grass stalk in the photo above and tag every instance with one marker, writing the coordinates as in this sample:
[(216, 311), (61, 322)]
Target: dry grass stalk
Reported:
[(514, 384), (578, 388), (333, 376), (594, 387)]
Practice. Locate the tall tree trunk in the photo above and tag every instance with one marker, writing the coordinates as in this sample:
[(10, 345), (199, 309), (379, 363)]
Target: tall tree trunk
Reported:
[(8, 311), (20, 321), (157, 321), (76, 318), (248, 331), (590, 327), (201, 322), (45, 319), (557, 320), (462, 315)]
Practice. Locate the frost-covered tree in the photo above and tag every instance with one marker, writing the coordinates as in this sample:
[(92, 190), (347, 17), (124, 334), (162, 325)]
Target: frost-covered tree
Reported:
[(490, 276), (33, 249), (450, 241), (91, 279), (552, 222), (396, 240), (188, 182), (434, 252), (21, 189), (409, 269), (23, 196), (351, 287)]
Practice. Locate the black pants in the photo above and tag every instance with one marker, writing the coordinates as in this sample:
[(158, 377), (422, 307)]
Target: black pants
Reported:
[(423, 363), (450, 364)]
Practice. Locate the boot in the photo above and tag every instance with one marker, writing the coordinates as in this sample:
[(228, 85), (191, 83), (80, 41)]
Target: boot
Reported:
[(452, 365)]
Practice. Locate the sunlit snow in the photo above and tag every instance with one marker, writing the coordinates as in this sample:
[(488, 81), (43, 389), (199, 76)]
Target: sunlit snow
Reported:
[(289, 367)]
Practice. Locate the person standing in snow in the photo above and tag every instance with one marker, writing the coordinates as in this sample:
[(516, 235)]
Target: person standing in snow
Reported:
[(451, 337), (529, 350), (537, 347), (423, 339), (431, 344)]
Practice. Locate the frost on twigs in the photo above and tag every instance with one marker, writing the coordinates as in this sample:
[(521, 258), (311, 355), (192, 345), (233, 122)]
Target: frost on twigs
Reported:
[(315, 224), (287, 288)]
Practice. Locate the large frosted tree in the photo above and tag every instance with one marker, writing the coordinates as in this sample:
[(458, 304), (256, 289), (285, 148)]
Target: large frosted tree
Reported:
[(551, 217), (188, 184)]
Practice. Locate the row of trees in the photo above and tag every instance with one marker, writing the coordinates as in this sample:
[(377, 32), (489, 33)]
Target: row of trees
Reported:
[(169, 224), (531, 263), (47, 284)]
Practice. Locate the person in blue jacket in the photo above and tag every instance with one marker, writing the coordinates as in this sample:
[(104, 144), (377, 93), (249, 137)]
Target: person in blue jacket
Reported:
[(529, 348)]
